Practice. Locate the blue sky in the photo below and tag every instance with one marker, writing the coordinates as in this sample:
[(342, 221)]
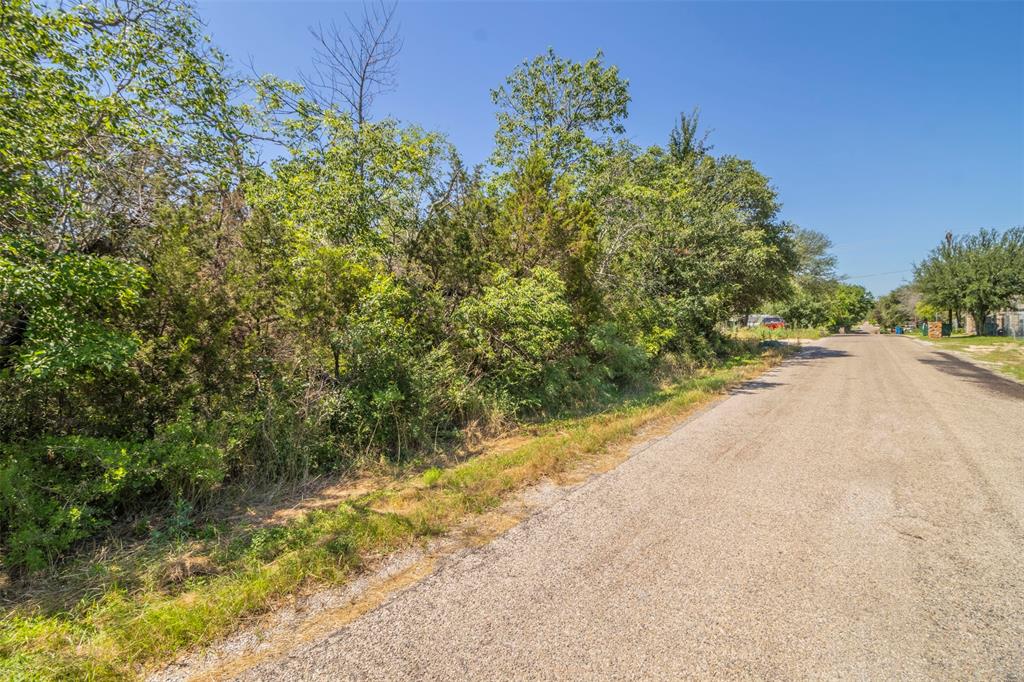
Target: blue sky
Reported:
[(882, 125)]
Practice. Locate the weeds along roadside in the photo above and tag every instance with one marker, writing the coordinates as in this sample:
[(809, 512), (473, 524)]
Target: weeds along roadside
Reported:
[(117, 615)]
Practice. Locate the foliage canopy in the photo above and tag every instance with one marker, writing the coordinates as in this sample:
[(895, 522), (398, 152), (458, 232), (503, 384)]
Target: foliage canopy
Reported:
[(177, 317)]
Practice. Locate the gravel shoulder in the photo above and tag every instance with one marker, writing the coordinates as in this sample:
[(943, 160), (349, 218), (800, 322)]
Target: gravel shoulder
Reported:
[(858, 512)]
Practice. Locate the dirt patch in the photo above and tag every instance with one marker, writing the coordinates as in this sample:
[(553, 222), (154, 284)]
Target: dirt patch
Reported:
[(184, 567), (995, 347), (330, 492)]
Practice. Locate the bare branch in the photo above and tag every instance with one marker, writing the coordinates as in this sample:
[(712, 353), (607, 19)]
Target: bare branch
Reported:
[(355, 63)]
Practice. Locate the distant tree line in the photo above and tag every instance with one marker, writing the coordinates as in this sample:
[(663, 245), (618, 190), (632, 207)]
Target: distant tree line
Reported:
[(817, 296), (968, 275), (976, 274)]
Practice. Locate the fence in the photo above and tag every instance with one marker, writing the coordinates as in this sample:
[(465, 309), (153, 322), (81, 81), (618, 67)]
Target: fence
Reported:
[(1010, 323)]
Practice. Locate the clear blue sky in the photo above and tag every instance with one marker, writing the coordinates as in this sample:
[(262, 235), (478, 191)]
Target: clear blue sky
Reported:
[(882, 125)]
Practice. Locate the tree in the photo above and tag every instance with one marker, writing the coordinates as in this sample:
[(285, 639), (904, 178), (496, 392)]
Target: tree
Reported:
[(941, 278), (689, 243), (559, 108), (109, 107), (352, 66), (980, 273), (815, 264), (803, 310), (542, 223), (897, 307), (515, 332), (685, 142), (848, 305), (64, 323)]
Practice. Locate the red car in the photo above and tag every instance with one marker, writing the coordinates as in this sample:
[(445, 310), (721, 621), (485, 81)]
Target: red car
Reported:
[(773, 322)]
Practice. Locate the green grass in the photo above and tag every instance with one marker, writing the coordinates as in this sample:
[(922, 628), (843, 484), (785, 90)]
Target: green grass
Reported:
[(1005, 353), (112, 616), (765, 334)]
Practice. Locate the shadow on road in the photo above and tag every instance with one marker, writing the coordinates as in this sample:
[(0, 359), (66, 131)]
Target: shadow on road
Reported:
[(811, 353), (806, 356), (754, 386), (950, 364)]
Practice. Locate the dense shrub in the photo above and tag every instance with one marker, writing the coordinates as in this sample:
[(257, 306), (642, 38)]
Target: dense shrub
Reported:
[(620, 359), (395, 390), (518, 333), (58, 490)]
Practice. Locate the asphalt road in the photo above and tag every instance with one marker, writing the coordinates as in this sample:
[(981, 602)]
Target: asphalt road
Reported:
[(856, 513)]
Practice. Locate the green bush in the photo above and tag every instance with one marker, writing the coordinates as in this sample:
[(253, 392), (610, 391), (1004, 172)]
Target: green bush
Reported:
[(395, 390), (518, 334), (57, 490), (620, 359)]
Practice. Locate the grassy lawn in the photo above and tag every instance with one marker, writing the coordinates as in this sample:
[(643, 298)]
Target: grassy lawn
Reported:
[(1006, 354), (115, 614)]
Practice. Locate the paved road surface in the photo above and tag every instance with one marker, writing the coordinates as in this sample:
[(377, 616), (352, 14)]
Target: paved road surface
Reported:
[(857, 513)]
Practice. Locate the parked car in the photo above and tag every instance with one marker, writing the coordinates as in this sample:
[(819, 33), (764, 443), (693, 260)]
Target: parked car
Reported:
[(773, 322)]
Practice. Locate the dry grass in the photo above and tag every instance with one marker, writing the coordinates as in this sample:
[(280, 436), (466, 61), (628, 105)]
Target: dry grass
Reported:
[(1006, 355), (765, 334), (117, 615)]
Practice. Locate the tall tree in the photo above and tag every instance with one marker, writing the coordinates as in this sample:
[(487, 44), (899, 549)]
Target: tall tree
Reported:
[(560, 108), (815, 264), (686, 142), (109, 107)]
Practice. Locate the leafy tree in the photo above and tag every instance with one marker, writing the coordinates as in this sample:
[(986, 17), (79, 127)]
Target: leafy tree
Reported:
[(374, 192), (926, 311), (96, 95), (711, 247), (543, 224), (560, 109), (899, 306), (980, 273), (889, 310), (686, 142), (815, 264), (805, 310), (515, 332), (942, 277), (63, 321), (835, 306), (849, 304)]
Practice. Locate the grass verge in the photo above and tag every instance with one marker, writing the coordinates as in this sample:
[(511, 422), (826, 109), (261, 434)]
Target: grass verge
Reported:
[(1006, 354), (766, 334), (121, 620)]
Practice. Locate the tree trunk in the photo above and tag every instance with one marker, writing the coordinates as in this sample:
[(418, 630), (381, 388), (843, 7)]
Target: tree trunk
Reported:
[(979, 321)]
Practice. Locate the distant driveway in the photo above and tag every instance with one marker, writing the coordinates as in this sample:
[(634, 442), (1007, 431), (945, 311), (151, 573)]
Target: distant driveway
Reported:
[(856, 513)]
